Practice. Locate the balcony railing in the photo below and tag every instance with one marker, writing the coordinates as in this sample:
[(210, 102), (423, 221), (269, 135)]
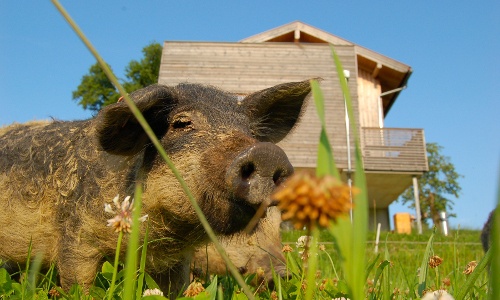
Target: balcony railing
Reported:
[(394, 149)]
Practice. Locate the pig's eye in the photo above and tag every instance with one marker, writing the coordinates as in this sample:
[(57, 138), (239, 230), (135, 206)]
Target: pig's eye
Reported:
[(182, 123)]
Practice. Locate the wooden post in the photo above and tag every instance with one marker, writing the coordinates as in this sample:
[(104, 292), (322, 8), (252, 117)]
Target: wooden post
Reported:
[(377, 238), (296, 35), (417, 205)]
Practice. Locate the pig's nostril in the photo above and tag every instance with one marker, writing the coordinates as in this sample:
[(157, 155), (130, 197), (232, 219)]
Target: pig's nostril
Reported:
[(247, 170), (278, 177)]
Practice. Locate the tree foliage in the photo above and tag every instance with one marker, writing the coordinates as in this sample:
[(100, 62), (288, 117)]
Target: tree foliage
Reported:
[(435, 186), (96, 91)]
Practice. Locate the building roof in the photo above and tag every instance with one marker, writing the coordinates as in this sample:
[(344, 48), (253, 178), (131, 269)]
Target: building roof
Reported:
[(392, 74)]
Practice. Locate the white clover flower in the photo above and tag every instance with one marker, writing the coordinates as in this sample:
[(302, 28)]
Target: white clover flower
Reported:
[(123, 214), (152, 292), (303, 241), (438, 295)]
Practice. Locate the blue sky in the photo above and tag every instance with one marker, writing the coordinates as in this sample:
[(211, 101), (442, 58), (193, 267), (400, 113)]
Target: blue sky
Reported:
[(452, 46)]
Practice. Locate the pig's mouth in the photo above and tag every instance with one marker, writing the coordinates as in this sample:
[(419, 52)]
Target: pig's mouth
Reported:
[(254, 210), (251, 213), (232, 214), (243, 212), (227, 217), (246, 208)]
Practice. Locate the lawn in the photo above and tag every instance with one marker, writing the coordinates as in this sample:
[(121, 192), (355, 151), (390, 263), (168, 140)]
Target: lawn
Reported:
[(405, 254), (392, 273)]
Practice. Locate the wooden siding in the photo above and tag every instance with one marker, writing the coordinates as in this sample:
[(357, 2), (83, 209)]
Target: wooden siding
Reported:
[(369, 91), (247, 67), (394, 149)]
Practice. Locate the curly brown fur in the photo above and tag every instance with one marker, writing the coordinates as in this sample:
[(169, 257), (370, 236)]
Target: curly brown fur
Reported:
[(248, 251), (55, 177)]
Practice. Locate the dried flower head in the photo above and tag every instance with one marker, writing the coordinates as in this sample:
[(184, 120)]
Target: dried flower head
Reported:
[(304, 255), (447, 281), (54, 293), (335, 281), (370, 282), (123, 214), (308, 200), (470, 267), (274, 295), (152, 292), (194, 289), (435, 261), (286, 248), (322, 247), (323, 284)]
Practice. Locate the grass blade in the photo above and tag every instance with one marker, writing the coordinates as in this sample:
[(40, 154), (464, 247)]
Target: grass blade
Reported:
[(325, 160), (355, 265), (360, 228), (133, 245), (142, 264), (154, 140), (33, 273), (371, 266), (424, 266), (312, 264), (386, 279), (115, 266)]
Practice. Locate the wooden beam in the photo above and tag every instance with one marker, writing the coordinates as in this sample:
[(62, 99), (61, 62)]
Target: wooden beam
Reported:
[(376, 70), (296, 35)]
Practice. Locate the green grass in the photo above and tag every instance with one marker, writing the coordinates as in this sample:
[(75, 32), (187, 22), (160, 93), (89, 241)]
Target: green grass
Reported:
[(394, 268), (406, 253)]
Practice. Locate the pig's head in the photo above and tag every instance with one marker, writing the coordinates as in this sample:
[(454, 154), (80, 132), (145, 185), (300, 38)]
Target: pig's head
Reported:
[(224, 148)]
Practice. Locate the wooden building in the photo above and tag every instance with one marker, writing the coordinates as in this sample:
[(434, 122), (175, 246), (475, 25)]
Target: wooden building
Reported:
[(295, 52)]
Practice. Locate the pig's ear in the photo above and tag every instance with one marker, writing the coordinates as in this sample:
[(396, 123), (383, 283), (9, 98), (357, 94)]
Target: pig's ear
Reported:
[(275, 111), (119, 132)]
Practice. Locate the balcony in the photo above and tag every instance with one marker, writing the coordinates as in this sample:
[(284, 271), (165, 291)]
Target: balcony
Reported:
[(394, 149)]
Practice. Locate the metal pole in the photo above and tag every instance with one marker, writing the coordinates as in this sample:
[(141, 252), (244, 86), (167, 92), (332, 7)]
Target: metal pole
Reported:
[(348, 140), (393, 91), (444, 222), (380, 106), (349, 166), (377, 238), (417, 205)]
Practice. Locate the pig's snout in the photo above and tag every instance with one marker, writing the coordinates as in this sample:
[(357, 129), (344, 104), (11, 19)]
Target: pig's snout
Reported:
[(256, 171)]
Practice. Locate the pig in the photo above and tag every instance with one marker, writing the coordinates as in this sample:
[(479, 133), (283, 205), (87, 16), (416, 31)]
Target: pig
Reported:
[(260, 248), (56, 177), (486, 232)]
